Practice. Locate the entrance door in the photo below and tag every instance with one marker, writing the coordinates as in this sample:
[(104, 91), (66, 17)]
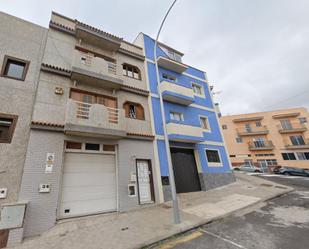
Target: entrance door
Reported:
[(88, 185), (144, 179), (185, 170)]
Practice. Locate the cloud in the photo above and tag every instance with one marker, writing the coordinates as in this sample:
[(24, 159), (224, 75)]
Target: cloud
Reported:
[(256, 52)]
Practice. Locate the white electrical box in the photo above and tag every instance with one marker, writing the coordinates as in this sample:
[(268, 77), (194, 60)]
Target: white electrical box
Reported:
[(3, 193), (44, 188)]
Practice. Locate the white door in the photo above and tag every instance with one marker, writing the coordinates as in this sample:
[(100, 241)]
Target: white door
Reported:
[(88, 185), (143, 174)]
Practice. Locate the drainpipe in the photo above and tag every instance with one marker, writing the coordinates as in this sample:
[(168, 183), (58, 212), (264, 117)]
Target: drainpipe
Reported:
[(167, 144)]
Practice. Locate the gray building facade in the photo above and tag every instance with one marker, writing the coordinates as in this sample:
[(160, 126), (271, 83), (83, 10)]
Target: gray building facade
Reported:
[(90, 147), (20, 56)]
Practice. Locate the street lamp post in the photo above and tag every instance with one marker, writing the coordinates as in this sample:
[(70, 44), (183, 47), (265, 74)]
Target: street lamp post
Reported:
[(167, 144)]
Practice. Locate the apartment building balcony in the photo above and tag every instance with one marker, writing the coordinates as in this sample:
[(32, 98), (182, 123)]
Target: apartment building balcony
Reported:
[(253, 131), (95, 71), (176, 93), (261, 145), (172, 65), (95, 120), (292, 127), (184, 133), (97, 37), (302, 145)]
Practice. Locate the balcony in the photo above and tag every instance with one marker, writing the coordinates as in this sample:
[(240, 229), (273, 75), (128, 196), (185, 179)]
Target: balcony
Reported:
[(97, 37), (95, 71), (177, 94), (292, 127), (290, 146), (172, 65), (260, 145), (253, 131), (95, 120), (184, 133)]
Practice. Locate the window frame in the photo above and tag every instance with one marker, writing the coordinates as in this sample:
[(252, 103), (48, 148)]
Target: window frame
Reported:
[(12, 127), (214, 164), (133, 67), (169, 77), (136, 105), (181, 115), (207, 121), (288, 157), (4, 66), (224, 127), (202, 94), (239, 140), (303, 120)]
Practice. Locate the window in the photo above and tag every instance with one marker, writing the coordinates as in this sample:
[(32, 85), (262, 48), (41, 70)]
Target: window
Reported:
[(224, 127), (205, 123), (171, 54), (213, 157), (73, 145), (7, 127), (238, 140), (286, 124), (303, 120), (92, 146), (260, 155), (248, 128), (131, 71), (14, 68), (297, 140), (197, 89), (258, 123), (108, 147), (288, 156), (248, 162), (267, 162), (176, 116), (259, 142), (303, 155), (134, 110), (168, 77), (232, 155)]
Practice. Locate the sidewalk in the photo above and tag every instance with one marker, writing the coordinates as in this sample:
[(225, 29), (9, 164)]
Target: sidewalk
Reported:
[(142, 227)]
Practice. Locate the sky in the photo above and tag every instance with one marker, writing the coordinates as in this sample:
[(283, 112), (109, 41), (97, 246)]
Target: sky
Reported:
[(256, 53)]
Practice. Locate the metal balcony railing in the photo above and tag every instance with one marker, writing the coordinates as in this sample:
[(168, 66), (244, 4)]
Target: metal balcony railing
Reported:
[(261, 145), (291, 127), (252, 131)]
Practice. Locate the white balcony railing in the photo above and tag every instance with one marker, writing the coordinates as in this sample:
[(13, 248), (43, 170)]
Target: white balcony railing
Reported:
[(95, 115)]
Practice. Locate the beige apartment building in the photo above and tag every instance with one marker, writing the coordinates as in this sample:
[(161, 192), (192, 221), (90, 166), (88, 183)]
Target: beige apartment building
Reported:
[(268, 139)]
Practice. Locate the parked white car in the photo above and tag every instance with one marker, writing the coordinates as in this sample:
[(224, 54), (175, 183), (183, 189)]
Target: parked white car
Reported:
[(248, 168)]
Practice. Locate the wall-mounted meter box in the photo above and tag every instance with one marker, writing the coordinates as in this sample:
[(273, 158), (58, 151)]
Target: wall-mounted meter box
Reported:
[(44, 188)]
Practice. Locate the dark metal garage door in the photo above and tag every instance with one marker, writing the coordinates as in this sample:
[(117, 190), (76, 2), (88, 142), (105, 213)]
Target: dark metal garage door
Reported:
[(185, 170)]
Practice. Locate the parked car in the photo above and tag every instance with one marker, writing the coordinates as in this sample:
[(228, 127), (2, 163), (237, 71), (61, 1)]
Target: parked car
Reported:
[(276, 170), (293, 171), (248, 168)]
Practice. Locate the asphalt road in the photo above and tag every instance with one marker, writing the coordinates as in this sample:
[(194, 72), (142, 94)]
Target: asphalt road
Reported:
[(281, 223)]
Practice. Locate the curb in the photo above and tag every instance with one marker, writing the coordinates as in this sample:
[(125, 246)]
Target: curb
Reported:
[(207, 221)]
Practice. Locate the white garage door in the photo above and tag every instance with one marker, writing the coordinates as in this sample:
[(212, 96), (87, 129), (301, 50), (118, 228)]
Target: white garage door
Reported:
[(88, 185)]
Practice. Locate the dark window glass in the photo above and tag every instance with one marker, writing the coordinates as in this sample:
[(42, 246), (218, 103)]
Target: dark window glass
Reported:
[(92, 146), (213, 156), (306, 155), (7, 126), (73, 145), (224, 127), (132, 111), (288, 156)]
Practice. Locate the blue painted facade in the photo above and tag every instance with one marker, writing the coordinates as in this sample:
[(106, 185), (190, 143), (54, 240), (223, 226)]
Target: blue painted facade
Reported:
[(201, 106)]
